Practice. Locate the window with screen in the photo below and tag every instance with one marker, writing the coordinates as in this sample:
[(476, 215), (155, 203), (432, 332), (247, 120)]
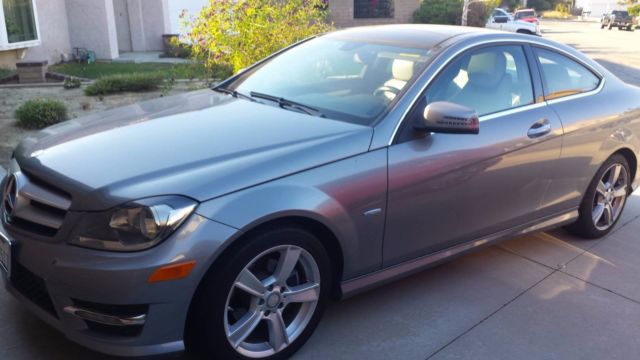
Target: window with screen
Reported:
[(368, 9), (19, 20)]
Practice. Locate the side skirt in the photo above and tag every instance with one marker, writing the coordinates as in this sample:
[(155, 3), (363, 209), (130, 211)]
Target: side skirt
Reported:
[(384, 276)]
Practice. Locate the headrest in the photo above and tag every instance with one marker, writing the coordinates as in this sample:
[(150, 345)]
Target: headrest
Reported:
[(402, 69), (486, 69)]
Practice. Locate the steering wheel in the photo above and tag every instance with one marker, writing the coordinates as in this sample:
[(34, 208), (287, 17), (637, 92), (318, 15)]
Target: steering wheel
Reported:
[(383, 89)]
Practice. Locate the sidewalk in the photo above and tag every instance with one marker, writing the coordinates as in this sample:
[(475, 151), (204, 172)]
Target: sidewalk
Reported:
[(543, 296)]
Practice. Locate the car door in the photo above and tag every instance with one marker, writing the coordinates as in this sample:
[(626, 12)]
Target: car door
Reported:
[(572, 90), (445, 189)]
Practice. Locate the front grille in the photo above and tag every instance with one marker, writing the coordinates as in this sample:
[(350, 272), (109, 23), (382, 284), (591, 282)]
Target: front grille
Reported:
[(35, 206), (32, 287)]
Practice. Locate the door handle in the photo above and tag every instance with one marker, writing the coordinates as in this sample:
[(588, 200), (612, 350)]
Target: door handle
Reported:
[(539, 128)]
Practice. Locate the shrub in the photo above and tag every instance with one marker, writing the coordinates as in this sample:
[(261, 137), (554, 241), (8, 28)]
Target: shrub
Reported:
[(238, 33), (5, 72), (634, 10), (118, 83), (40, 113), (72, 82), (439, 12)]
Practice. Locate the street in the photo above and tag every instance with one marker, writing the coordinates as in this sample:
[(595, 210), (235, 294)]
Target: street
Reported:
[(541, 296)]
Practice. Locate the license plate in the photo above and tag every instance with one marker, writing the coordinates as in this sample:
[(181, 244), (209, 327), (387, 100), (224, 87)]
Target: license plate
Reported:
[(5, 254)]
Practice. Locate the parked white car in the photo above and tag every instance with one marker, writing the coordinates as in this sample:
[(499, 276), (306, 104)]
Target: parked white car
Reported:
[(502, 20)]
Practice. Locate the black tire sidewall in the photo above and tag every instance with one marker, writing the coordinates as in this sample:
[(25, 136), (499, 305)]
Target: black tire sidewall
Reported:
[(205, 330)]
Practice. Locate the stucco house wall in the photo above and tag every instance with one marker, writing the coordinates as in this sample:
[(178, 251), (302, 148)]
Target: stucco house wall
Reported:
[(92, 24), (54, 32)]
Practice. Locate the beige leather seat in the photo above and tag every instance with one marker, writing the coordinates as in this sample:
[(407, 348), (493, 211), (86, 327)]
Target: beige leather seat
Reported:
[(488, 88), (402, 71)]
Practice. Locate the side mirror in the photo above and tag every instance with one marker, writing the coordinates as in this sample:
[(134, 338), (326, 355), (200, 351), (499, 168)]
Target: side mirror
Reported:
[(500, 19), (449, 118)]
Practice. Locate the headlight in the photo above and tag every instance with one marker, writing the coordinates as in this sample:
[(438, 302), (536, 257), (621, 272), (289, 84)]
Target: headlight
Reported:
[(134, 226)]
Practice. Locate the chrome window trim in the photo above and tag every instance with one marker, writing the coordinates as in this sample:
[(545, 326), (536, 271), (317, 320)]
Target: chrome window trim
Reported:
[(579, 95), (509, 111)]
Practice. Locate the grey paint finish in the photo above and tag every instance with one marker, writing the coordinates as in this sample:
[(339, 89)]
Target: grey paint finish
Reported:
[(250, 163), (336, 195), (444, 177), (222, 145)]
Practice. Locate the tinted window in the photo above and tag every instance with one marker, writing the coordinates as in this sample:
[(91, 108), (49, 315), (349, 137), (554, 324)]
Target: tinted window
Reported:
[(487, 80), (563, 76)]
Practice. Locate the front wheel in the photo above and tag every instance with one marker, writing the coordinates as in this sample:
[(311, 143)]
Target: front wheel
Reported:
[(263, 301), (604, 200)]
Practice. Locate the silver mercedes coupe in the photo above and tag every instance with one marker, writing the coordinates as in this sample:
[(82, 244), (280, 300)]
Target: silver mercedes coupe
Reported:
[(224, 220)]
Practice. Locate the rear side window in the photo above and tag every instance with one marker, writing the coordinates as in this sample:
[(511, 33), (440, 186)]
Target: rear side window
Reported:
[(563, 76)]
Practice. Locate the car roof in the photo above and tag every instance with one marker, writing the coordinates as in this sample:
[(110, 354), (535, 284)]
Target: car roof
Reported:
[(405, 35), (525, 10)]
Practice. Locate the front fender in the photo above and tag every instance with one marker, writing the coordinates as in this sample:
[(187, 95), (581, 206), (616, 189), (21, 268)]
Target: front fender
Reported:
[(336, 195)]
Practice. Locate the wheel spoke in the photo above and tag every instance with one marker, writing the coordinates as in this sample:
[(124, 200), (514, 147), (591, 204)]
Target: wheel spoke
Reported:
[(303, 293), (250, 283), (239, 331), (615, 174), (608, 215), (620, 191), (278, 337), (288, 260), (597, 213), (602, 188)]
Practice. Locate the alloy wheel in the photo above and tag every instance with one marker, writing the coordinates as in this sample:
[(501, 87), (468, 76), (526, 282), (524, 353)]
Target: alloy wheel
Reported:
[(610, 196), (272, 301)]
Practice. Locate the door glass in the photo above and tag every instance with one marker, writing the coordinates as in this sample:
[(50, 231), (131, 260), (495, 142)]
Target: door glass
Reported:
[(563, 76), (487, 80)]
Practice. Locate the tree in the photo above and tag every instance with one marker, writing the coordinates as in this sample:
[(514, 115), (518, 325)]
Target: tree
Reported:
[(238, 33)]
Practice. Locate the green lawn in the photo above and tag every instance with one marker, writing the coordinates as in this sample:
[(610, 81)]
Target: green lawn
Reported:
[(97, 70)]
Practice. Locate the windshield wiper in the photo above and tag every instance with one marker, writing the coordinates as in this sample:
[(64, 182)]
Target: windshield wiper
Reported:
[(286, 103), (233, 93)]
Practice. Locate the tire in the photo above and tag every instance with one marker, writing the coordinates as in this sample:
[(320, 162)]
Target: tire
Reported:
[(610, 26), (606, 193), (223, 300), (602, 26)]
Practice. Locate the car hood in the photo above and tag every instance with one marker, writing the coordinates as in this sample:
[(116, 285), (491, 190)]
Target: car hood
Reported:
[(201, 145)]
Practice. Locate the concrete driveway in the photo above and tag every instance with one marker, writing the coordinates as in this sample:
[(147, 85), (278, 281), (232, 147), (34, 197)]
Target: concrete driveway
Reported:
[(544, 296)]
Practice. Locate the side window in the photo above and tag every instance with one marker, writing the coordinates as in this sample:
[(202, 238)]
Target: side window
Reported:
[(487, 80), (563, 76)]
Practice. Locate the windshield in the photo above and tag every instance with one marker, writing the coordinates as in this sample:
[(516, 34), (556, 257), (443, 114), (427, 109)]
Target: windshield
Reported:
[(621, 13), (525, 14), (345, 80)]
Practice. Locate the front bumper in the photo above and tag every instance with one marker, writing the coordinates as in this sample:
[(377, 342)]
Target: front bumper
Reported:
[(49, 277)]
